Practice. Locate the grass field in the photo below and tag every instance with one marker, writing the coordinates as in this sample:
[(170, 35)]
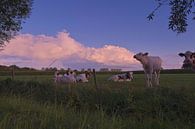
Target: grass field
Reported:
[(32, 102)]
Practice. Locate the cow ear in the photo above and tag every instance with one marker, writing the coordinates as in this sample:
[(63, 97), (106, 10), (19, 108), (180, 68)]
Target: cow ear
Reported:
[(145, 54), (181, 54)]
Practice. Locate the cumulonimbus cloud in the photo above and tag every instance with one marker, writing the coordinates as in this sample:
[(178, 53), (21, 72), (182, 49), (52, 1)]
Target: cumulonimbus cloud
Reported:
[(40, 50)]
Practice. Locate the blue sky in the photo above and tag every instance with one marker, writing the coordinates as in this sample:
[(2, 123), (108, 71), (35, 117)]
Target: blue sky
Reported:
[(95, 23), (98, 22)]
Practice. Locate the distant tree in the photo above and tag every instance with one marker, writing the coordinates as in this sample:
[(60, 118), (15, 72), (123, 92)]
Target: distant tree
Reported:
[(51, 69), (104, 69), (14, 66), (82, 70), (62, 69), (12, 15), (180, 12), (43, 69)]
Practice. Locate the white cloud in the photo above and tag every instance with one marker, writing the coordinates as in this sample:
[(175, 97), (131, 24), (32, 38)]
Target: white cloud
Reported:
[(39, 51)]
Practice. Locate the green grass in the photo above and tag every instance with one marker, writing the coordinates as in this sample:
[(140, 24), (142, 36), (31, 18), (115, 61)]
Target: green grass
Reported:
[(166, 80), (18, 113), (31, 102)]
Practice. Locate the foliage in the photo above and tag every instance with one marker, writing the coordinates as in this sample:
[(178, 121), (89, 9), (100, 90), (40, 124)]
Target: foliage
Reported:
[(12, 14), (180, 11)]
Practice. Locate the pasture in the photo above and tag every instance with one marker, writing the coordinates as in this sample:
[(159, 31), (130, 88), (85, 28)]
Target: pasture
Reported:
[(34, 101)]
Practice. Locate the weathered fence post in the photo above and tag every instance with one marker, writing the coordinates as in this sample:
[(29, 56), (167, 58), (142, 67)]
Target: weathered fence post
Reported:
[(95, 81), (13, 72), (55, 95), (96, 86)]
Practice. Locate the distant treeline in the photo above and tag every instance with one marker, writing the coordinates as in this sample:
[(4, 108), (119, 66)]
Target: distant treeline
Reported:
[(7, 70), (164, 71), (18, 73), (171, 71)]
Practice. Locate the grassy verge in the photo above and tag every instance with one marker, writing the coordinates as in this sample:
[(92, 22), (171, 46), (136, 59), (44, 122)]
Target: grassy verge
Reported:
[(34, 104), (18, 113)]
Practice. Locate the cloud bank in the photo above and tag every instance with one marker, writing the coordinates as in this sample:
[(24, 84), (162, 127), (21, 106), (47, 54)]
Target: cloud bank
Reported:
[(62, 51)]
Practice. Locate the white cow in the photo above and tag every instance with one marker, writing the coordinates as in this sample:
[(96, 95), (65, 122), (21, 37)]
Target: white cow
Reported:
[(189, 61), (83, 77), (122, 77), (152, 67), (57, 77), (66, 78)]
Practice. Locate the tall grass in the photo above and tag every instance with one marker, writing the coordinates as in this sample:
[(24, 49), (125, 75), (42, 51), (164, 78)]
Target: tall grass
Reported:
[(18, 113), (34, 104)]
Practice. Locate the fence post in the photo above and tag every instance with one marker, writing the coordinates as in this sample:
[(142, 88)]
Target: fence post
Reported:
[(95, 81), (13, 72), (97, 89), (55, 94)]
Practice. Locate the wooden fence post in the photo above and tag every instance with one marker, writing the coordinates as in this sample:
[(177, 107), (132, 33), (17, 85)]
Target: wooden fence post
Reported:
[(13, 72), (95, 81), (97, 89)]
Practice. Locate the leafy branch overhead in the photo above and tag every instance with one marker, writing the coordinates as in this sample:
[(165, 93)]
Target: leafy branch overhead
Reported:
[(12, 15), (180, 11)]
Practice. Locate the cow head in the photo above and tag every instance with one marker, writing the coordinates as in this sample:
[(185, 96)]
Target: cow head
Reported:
[(88, 74), (129, 75), (140, 56), (189, 61)]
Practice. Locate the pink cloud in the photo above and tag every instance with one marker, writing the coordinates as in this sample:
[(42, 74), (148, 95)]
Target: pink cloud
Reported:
[(41, 50), (111, 55)]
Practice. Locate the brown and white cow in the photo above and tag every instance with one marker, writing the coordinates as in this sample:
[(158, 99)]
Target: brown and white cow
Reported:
[(128, 76), (189, 61), (83, 77)]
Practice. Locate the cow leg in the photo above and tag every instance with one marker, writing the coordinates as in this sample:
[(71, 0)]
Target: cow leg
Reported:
[(157, 77), (149, 80), (154, 78)]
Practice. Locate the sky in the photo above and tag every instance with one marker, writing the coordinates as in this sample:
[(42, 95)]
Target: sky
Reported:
[(94, 34)]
